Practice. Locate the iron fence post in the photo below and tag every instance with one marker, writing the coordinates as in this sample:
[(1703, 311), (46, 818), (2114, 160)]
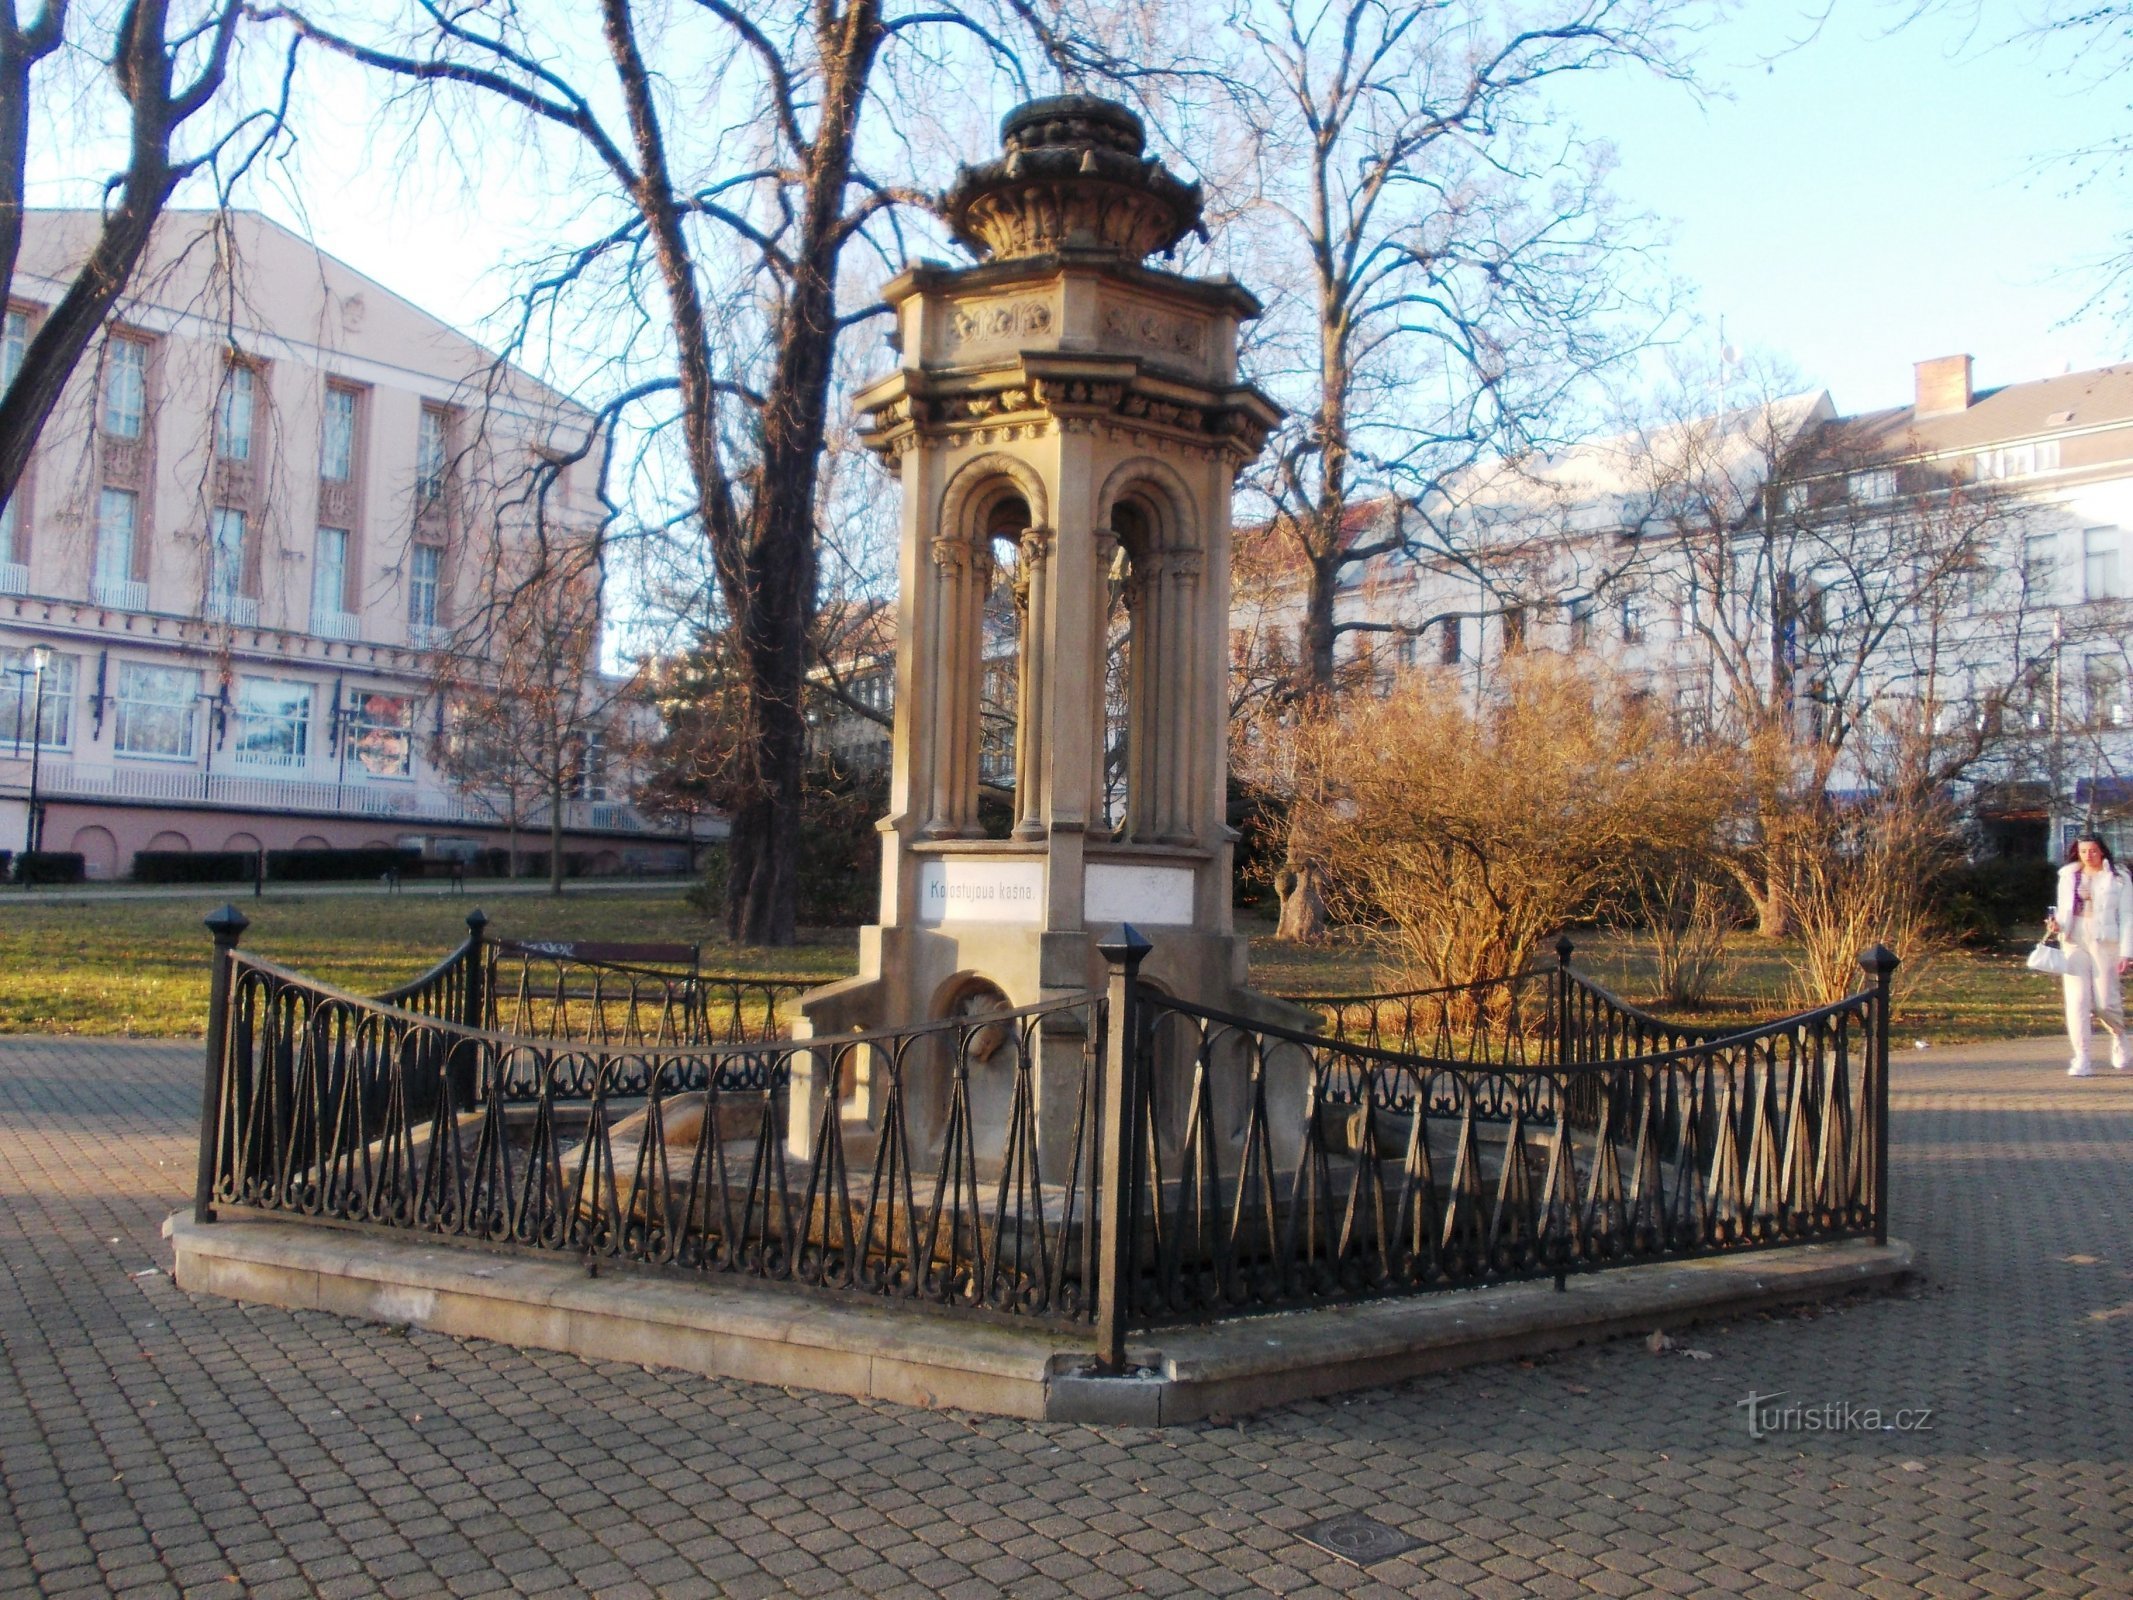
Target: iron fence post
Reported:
[(475, 1005), (1564, 949), (1115, 1209), (473, 1012), (1880, 964), (227, 926)]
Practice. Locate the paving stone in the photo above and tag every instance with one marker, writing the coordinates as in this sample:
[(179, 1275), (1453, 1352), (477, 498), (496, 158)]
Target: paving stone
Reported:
[(300, 1453)]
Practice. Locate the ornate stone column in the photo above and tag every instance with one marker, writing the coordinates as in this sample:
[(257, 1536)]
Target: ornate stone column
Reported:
[(1104, 551), (959, 658), (1178, 697), (1031, 712)]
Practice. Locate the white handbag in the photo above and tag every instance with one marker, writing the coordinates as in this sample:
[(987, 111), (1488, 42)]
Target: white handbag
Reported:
[(2048, 957)]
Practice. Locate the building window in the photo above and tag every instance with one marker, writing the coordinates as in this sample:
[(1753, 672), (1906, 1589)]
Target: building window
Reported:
[(14, 345), (381, 732), (1514, 630), (1875, 483), (2099, 564), (225, 560), (233, 415), (336, 456), (18, 700), (117, 512), (2103, 680), (329, 577), (2017, 460), (2040, 560), (425, 563), (592, 767), (1448, 645), (273, 722), (1581, 613), (1633, 617), (430, 457), (155, 710), (125, 407)]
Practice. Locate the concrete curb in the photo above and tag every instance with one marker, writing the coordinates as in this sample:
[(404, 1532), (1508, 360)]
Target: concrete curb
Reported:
[(845, 1346)]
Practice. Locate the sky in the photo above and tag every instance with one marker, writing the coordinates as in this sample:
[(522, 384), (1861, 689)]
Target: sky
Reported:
[(1848, 198), (1857, 198)]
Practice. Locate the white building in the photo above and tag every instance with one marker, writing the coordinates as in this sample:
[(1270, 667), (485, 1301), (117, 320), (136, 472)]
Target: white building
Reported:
[(1956, 568)]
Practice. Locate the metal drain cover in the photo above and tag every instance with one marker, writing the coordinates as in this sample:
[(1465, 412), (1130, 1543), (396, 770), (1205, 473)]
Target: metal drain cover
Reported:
[(1359, 1540)]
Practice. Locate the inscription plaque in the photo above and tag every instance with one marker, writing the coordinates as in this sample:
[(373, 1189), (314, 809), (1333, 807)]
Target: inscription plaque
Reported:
[(980, 891)]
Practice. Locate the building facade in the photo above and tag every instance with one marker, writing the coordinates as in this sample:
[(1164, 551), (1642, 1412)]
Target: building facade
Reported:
[(273, 492), (1945, 585)]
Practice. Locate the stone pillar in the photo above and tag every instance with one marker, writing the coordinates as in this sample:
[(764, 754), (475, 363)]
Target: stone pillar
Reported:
[(1179, 702), (1032, 756), (1104, 549)]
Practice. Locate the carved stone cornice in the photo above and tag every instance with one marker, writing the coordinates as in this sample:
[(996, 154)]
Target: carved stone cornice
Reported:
[(1073, 177), (1036, 393)]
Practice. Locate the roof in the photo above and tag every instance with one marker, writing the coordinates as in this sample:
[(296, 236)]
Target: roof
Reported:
[(2073, 400), (1608, 484)]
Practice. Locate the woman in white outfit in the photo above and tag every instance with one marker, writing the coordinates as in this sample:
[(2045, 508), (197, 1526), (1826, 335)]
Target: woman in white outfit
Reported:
[(2094, 921)]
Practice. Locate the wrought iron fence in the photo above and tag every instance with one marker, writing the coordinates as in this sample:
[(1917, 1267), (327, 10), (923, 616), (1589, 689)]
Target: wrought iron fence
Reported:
[(1270, 1168), (631, 994), (326, 1105), (1127, 1160), (1542, 1016), (620, 994)]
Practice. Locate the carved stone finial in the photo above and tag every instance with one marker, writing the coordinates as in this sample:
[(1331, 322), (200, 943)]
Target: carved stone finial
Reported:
[(1073, 177)]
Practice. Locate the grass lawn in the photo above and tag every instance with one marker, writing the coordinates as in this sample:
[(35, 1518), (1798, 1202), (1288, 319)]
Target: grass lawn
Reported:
[(140, 966), (1965, 995)]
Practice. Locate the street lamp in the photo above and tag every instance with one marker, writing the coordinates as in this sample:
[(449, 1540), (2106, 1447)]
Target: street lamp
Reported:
[(33, 830)]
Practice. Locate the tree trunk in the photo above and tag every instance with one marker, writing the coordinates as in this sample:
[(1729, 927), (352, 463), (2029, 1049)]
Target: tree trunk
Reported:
[(779, 568), (555, 838), (1301, 886)]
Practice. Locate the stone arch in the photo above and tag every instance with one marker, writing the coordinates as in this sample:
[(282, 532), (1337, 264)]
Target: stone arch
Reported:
[(98, 850), (312, 841), (977, 484), (984, 704), (247, 842), (170, 839), (1162, 489)]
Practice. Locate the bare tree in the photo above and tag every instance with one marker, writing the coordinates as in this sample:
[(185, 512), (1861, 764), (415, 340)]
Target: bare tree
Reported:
[(1455, 270), (534, 720), (722, 223), (1860, 614), (174, 73)]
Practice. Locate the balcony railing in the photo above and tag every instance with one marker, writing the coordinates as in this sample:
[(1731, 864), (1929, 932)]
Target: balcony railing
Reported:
[(119, 595), (336, 625), (14, 577), (238, 610)]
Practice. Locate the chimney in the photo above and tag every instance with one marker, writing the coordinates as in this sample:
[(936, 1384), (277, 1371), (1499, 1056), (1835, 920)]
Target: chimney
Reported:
[(1943, 386)]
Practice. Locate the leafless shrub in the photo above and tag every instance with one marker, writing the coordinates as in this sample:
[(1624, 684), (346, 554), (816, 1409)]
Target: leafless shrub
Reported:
[(1472, 836), (1863, 874), (1690, 920)]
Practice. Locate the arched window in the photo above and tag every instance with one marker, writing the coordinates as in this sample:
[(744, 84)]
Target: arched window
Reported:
[(1134, 528), (1005, 630)]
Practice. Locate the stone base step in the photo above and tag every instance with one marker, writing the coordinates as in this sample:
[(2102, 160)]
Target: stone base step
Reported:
[(845, 1346)]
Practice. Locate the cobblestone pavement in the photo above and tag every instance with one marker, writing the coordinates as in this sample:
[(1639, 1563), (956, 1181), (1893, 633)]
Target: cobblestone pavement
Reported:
[(156, 1444)]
